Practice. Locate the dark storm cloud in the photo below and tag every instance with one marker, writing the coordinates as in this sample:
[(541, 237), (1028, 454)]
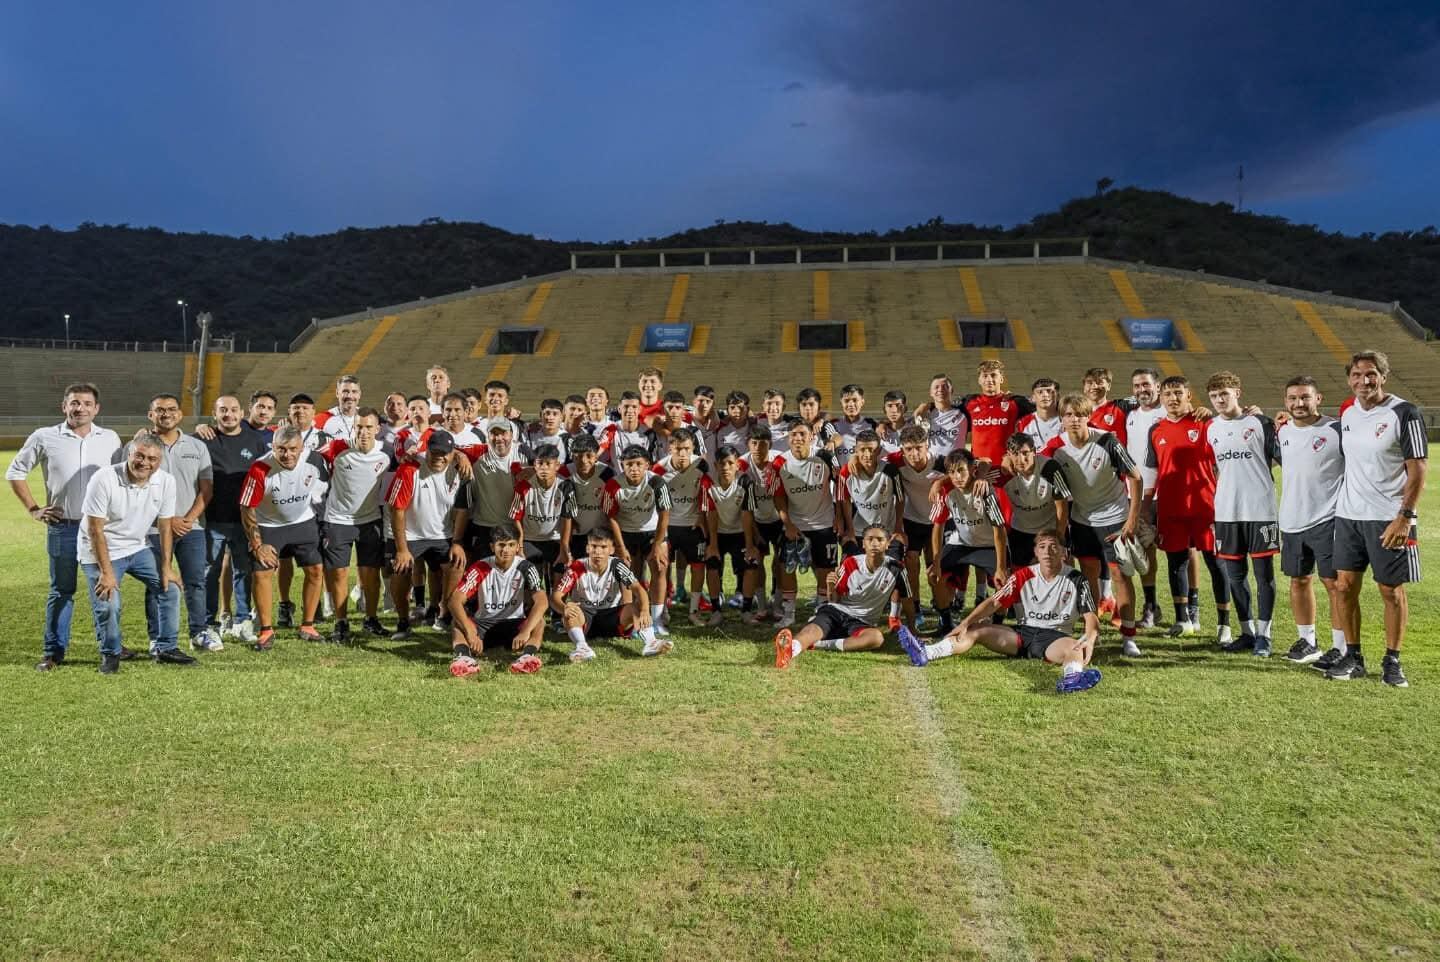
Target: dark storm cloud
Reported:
[(1148, 91)]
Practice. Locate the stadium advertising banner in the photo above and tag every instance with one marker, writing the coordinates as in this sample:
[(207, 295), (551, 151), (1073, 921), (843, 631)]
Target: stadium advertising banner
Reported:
[(1149, 333), (667, 337)]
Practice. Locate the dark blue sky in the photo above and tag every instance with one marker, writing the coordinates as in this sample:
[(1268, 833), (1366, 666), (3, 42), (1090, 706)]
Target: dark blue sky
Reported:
[(608, 121)]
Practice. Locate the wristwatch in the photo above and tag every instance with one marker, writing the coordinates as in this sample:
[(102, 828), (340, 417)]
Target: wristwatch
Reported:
[(1407, 513)]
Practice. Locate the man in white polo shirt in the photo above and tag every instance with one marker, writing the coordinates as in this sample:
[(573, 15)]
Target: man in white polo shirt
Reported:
[(122, 503), (68, 454)]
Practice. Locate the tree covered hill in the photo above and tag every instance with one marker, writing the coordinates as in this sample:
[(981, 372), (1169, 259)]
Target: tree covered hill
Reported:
[(123, 282)]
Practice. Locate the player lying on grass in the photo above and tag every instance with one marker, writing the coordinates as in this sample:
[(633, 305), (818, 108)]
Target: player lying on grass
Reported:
[(861, 590), (509, 607), (608, 601), (1048, 597)]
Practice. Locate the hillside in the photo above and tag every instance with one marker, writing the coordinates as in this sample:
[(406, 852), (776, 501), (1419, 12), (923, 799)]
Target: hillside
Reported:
[(122, 282)]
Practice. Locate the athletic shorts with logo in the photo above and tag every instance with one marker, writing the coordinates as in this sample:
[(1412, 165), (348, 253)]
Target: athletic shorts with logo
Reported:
[(432, 554), (1032, 642), (299, 541), (1304, 552), (367, 540), (1236, 539), (1093, 541), (1182, 534), (834, 623), (1357, 547), (689, 541), (732, 546)]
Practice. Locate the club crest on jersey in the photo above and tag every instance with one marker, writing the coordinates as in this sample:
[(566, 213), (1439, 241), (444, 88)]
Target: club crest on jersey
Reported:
[(1193, 434), (1249, 433), (1380, 429), (1317, 444), (1110, 418), (1096, 461), (1005, 405)]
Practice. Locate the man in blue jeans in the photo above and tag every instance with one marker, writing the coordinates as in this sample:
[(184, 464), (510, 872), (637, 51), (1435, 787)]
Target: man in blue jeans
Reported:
[(122, 502), (68, 454), (234, 444)]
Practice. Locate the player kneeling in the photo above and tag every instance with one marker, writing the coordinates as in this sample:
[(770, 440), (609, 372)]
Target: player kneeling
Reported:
[(509, 607), (609, 601), (863, 587), (1049, 597)]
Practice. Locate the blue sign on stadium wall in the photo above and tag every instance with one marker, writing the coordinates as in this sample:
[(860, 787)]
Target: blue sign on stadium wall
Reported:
[(1149, 333), (667, 337)]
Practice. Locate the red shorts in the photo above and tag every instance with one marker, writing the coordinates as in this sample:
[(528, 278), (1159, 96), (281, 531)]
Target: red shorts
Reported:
[(1180, 534)]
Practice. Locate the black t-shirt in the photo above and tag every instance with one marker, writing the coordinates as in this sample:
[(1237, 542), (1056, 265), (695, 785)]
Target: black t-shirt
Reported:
[(230, 456)]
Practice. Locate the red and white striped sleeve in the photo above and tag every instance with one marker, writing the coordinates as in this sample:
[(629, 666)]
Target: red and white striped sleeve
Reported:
[(253, 490), (517, 504), (848, 567), (402, 487)]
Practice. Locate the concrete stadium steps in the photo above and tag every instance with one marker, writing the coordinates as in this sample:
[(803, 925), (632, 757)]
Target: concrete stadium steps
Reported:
[(35, 379), (311, 370)]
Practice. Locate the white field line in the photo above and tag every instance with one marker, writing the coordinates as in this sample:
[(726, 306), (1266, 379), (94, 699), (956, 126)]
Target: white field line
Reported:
[(999, 935)]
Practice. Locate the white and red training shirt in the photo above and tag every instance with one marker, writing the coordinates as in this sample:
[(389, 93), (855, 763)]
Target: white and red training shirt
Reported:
[(539, 510), (687, 490), (590, 511), (500, 593), (357, 482), (967, 520), (1053, 603), (282, 497), (596, 591), (865, 594), (427, 497)]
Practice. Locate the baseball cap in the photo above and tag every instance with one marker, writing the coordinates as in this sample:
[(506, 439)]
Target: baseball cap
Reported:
[(441, 442)]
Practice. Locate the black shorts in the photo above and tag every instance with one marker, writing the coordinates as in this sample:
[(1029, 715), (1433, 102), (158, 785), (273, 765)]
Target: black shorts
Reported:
[(1092, 541), (851, 548), (1236, 539), (955, 558), (834, 623), (498, 634), (639, 544), (476, 542), (732, 545), (768, 533), (824, 548), (368, 540), (1303, 552), (577, 546), (918, 534), (1357, 547), (604, 623), (542, 554), (300, 541), (688, 541), (1021, 546), (1033, 642), (432, 554)]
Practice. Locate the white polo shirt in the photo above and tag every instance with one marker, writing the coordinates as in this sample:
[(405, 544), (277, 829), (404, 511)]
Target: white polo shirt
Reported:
[(129, 510), (68, 462)]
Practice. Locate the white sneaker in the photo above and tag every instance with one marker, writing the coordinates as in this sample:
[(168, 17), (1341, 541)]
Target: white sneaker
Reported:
[(327, 609), (1223, 636), (697, 618), (786, 617), (660, 630), (357, 597), (226, 620), (736, 601), (207, 640), (245, 630), (439, 624), (657, 647), (583, 652), (1130, 649)]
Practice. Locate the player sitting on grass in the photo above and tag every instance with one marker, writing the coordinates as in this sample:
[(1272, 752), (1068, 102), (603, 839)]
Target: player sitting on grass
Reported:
[(862, 590), (1048, 597), (608, 601), (509, 607)]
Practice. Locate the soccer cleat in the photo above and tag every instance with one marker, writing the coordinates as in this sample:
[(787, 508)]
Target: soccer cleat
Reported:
[(463, 666), (48, 663), (1245, 643), (894, 623), (1328, 660), (373, 626), (1349, 668), (341, 635), (697, 618), (1107, 610), (1223, 636), (1078, 681), (785, 648), (1182, 629), (786, 617), (736, 601), (440, 623), (1130, 649), (755, 617), (109, 664), (1302, 653), (1262, 647), (704, 604), (401, 632), (226, 621), (914, 647), (1391, 673), (308, 633), (657, 647), (678, 595), (265, 640), (287, 615), (582, 653), (1148, 617), (245, 630), (525, 665)]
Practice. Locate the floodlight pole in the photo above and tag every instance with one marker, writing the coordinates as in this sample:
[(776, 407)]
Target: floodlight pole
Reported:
[(203, 319), (67, 332), (184, 329)]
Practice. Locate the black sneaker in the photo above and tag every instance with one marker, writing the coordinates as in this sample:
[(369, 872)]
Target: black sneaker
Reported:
[(287, 615), (172, 656), (373, 626), (48, 663), (1302, 653), (341, 634), (1349, 668), (1262, 647), (1391, 673), (1245, 643), (1328, 660), (109, 664)]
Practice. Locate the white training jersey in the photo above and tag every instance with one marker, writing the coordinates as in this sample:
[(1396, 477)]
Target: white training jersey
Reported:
[(917, 486), (967, 520), (539, 510), (1377, 444), (534, 438), (590, 513), (357, 482), (1312, 468), (687, 490), (636, 507), (427, 497), (614, 440), (596, 591), (1137, 440), (491, 488), (762, 499), (864, 593), (337, 426), (738, 435), (1244, 448), (282, 497), (499, 593), (1095, 473), (846, 430), (946, 429), (728, 503), (1041, 430), (873, 500), (1054, 603), (707, 440), (809, 488), (890, 437), (1032, 499)]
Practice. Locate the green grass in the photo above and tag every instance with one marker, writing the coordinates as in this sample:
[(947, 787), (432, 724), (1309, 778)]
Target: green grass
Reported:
[(358, 804)]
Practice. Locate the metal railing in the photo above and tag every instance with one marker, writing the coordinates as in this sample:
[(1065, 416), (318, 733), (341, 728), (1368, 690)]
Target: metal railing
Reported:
[(218, 345), (878, 251)]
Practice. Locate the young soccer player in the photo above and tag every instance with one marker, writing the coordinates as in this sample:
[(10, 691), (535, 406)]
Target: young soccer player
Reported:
[(1145, 388), (994, 414), (869, 492), (773, 416), (510, 606), (705, 421), (617, 437), (897, 419), (422, 498), (588, 478), (1039, 498), (769, 529), (852, 421), (735, 431), (548, 429), (358, 470), (600, 598), (918, 471), (730, 512), (1043, 423), (968, 532), (809, 402), (542, 503), (945, 423), (803, 484), (639, 502), (687, 478)]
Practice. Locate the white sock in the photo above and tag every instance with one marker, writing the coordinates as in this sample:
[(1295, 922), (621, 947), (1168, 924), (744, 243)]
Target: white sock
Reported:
[(894, 609), (943, 648), (1071, 668), (1262, 629), (831, 644), (694, 601), (577, 635), (1249, 627), (656, 613), (1337, 638), (1105, 589), (1307, 633), (647, 634)]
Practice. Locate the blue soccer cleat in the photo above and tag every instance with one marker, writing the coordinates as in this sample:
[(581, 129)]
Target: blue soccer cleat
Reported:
[(914, 647), (1079, 681)]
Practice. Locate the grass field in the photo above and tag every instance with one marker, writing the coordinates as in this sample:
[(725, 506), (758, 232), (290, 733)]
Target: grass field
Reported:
[(319, 803)]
